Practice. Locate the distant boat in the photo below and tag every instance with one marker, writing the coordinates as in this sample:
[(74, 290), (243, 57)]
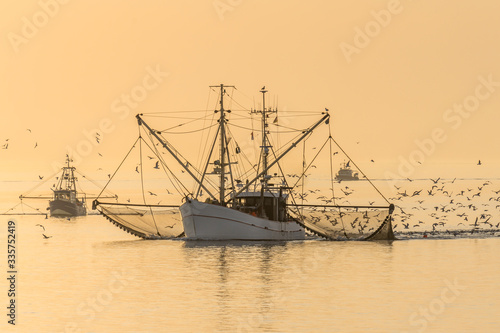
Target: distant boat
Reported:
[(346, 173), (66, 200)]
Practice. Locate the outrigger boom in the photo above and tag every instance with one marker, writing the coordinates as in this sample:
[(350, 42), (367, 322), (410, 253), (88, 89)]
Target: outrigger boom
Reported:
[(267, 212)]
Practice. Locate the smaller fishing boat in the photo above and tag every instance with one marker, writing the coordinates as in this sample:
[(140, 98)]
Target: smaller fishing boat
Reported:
[(346, 173), (66, 200)]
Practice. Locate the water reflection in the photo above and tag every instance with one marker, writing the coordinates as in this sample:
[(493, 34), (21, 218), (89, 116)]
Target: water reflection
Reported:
[(243, 280)]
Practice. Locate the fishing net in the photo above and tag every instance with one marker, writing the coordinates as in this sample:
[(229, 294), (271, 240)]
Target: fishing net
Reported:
[(144, 221), (341, 223)]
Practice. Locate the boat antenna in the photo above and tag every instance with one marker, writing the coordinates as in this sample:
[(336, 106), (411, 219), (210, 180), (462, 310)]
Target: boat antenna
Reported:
[(264, 148), (222, 146), (223, 143)]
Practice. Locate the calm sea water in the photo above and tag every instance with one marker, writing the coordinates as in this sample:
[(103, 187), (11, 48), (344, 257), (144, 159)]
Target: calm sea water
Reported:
[(92, 277)]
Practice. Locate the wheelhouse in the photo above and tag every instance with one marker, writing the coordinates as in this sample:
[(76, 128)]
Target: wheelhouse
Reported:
[(268, 205)]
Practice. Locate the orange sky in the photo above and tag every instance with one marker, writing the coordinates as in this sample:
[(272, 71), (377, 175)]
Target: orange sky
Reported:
[(387, 70)]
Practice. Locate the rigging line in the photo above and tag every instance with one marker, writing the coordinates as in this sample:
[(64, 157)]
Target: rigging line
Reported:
[(187, 163), (153, 114), (229, 164), (178, 154), (252, 168), (307, 112), (303, 172), (285, 180), (188, 132), (185, 190), (8, 210), (177, 180), (119, 166), (292, 130), (279, 166), (243, 94), (300, 115), (142, 184), (278, 136), (136, 205), (288, 142), (38, 210), (207, 141), (361, 171), (164, 165), (92, 181), (207, 163), (173, 152), (243, 173), (238, 169), (40, 184), (191, 119), (200, 156), (233, 100), (312, 161), (291, 147), (182, 124), (331, 166), (289, 128)]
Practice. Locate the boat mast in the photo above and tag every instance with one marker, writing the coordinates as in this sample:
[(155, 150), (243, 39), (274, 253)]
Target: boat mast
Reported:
[(222, 147), (223, 143), (68, 180), (265, 142), (325, 119)]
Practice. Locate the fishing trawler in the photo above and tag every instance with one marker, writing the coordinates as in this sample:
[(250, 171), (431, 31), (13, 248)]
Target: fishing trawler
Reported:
[(66, 200), (254, 204), (346, 173)]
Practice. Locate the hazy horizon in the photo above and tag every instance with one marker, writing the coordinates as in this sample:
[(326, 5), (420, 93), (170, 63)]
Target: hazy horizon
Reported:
[(390, 72)]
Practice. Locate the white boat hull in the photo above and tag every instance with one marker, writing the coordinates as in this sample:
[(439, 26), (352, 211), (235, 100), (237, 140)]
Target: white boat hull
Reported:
[(212, 222)]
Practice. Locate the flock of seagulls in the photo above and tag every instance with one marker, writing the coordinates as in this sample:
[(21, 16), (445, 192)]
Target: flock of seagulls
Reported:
[(447, 207), (424, 207)]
